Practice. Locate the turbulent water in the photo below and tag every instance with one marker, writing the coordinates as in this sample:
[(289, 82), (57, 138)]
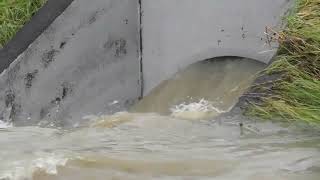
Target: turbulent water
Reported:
[(172, 134), (213, 84)]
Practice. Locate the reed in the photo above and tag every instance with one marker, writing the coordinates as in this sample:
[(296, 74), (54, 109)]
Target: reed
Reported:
[(295, 95)]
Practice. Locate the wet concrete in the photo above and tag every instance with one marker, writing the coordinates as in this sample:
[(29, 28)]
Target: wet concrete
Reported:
[(101, 56), (83, 63), (179, 33)]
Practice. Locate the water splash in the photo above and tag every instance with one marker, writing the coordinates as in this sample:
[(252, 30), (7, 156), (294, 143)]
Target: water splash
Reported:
[(160, 144), (216, 83), (5, 125), (196, 110), (49, 164), (28, 169)]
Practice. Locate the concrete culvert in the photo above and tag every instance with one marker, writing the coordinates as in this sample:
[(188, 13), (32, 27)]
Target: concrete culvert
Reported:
[(203, 90), (110, 53), (69, 106)]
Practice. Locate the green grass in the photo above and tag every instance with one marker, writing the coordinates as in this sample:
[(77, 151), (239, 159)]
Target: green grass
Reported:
[(295, 95), (14, 14)]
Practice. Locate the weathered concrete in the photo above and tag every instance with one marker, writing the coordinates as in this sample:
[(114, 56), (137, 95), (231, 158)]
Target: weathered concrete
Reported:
[(86, 62), (177, 33)]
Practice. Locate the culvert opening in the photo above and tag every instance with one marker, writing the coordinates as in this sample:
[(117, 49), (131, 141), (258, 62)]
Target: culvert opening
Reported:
[(203, 90)]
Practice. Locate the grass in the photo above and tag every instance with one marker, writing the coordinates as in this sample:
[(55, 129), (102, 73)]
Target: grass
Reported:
[(14, 14), (295, 95)]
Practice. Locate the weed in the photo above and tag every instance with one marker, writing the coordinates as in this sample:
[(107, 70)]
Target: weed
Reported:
[(295, 95)]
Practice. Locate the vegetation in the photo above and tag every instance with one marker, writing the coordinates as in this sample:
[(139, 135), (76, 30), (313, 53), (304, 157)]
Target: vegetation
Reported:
[(295, 95), (14, 14)]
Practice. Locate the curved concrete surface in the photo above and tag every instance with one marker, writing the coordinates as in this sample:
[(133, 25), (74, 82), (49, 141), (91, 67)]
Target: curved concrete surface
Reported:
[(177, 33), (88, 61)]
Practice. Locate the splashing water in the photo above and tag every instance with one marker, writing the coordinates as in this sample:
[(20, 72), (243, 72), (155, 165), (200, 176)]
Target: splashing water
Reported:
[(195, 110), (150, 146), (203, 90), (27, 169), (5, 125), (161, 143)]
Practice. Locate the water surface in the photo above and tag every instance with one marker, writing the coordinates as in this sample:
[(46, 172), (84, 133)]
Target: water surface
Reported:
[(173, 134)]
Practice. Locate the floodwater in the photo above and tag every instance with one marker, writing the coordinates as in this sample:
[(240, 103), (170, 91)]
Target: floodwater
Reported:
[(214, 85), (175, 133)]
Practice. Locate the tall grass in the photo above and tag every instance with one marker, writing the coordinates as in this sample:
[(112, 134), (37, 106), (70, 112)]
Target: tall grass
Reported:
[(295, 95), (14, 14)]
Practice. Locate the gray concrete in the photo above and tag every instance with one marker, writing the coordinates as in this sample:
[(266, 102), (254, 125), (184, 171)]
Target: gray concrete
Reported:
[(177, 33), (86, 62)]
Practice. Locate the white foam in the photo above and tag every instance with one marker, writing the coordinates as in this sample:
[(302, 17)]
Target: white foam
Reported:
[(24, 169), (195, 110), (201, 106), (49, 164), (5, 125)]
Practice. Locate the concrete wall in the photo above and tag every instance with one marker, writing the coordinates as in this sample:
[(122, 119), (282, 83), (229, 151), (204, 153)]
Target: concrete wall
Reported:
[(177, 33), (86, 62)]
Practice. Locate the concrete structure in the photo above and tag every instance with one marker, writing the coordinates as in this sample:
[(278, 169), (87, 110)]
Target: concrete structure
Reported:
[(177, 33), (85, 62), (94, 59)]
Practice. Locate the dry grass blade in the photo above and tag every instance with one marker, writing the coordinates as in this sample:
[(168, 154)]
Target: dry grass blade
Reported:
[(295, 96)]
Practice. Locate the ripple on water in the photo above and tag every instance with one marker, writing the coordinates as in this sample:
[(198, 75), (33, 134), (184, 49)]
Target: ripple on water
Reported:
[(157, 140)]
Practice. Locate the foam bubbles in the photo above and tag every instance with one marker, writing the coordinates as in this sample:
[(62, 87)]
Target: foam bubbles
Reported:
[(196, 110), (5, 125), (25, 169), (49, 164)]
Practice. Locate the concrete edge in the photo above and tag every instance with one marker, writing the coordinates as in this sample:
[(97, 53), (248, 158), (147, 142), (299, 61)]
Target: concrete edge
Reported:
[(31, 30)]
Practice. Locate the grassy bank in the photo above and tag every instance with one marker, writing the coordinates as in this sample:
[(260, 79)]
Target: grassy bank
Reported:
[(14, 14), (295, 95)]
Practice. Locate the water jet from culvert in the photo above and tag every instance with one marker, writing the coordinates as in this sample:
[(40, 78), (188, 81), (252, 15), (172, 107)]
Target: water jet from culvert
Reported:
[(202, 90)]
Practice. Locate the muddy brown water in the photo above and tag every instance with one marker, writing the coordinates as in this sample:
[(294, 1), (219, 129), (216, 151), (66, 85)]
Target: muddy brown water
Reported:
[(172, 134)]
